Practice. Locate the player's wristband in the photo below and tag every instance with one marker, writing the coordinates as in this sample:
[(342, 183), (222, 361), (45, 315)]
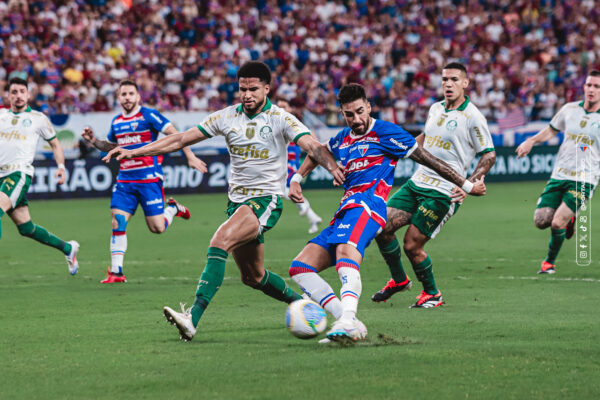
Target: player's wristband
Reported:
[(61, 166), (467, 186), (296, 178)]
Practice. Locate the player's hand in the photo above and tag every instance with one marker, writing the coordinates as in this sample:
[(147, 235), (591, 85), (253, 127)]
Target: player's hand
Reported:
[(295, 193), (478, 187), (524, 148), (196, 163), (118, 153), (458, 195), (338, 176), (88, 134), (61, 174)]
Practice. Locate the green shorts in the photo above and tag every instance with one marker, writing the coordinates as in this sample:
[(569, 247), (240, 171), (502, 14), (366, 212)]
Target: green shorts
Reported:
[(430, 209), (15, 186), (572, 193), (267, 209)]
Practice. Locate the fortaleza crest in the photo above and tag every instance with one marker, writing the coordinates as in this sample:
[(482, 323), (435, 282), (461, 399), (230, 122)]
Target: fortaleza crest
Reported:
[(451, 125), (134, 125), (265, 132), (363, 149)]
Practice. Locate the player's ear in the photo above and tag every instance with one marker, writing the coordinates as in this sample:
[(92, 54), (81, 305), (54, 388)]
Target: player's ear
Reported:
[(267, 89)]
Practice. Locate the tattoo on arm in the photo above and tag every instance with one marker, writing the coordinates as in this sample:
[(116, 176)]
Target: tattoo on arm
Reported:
[(323, 157), (486, 162), (104, 145), (425, 158)]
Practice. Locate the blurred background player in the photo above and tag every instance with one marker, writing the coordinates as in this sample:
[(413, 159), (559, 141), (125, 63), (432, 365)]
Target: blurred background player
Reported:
[(455, 132), (20, 131), (140, 180), (368, 150), (257, 135), (294, 153), (576, 170)]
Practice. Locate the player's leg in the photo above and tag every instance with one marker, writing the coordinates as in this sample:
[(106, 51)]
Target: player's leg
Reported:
[(158, 216), (21, 218), (249, 258), (315, 257), (400, 208)]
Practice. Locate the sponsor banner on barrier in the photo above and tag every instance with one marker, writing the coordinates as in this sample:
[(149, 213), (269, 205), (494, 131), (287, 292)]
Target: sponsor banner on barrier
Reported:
[(93, 178)]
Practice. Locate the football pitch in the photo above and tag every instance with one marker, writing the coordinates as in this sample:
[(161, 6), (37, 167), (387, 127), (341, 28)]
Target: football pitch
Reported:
[(504, 333)]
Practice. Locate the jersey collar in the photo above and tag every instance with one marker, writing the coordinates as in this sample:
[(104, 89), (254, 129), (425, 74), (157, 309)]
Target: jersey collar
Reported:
[(28, 109), (265, 108), (133, 112), (586, 111), (461, 107), (355, 136)]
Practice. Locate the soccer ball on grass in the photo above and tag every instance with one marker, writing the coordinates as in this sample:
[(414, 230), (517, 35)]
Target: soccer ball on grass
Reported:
[(305, 319)]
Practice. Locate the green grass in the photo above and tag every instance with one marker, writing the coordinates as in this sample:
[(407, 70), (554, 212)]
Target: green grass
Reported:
[(505, 332)]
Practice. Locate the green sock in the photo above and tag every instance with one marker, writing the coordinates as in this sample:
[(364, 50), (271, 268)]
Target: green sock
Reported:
[(556, 240), (40, 234), (391, 254), (424, 273), (1, 214), (210, 281), (273, 285)]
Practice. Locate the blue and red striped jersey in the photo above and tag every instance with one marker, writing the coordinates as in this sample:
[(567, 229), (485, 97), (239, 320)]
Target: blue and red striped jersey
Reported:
[(294, 152), (369, 162), (136, 130)]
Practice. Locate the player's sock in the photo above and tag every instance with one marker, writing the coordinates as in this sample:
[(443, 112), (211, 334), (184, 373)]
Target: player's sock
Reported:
[(349, 272), (424, 273), (118, 245), (169, 214), (392, 255), (316, 287), (40, 234), (556, 240), (1, 214), (273, 285), (210, 281), (302, 207)]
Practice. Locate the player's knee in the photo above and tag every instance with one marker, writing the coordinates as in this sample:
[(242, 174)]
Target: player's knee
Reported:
[(385, 238), (412, 248), (558, 224), (156, 229), (26, 229), (119, 223), (541, 222)]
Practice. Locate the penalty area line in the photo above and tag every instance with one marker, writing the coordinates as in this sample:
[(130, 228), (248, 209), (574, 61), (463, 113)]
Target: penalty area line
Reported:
[(536, 278)]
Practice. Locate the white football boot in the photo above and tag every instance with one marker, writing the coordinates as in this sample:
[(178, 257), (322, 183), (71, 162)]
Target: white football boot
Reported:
[(182, 320), (72, 257), (346, 331)]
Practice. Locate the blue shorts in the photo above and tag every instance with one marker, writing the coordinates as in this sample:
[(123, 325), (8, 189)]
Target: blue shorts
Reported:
[(353, 226), (126, 196)]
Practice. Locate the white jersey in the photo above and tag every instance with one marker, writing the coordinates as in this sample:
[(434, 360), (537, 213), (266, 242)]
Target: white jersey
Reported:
[(578, 157), (19, 135), (257, 146), (456, 137)]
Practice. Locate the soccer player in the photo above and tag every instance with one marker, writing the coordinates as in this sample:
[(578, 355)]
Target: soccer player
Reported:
[(140, 180), (576, 170), (257, 135), (369, 150), (455, 132), (293, 164), (20, 130)]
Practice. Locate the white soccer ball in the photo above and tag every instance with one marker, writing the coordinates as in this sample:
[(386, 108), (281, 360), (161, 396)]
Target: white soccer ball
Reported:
[(305, 319)]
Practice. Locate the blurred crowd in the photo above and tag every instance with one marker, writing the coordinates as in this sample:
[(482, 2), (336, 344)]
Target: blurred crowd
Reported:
[(531, 55)]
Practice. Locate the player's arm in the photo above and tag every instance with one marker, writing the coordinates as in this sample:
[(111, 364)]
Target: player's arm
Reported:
[(420, 139), (164, 145), (102, 145), (59, 157), (321, 154), (193, 161), (486, 162), (422, 156), (542, 136)]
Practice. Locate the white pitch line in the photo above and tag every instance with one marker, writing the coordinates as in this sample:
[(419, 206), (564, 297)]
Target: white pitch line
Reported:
[(536, 278)]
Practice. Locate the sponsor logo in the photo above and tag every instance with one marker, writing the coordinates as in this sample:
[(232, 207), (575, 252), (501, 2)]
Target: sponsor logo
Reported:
[(357, 165), (428, 213), (156, 117), (249, 152), (580, 139), (437, 141), (155, 201), (12, 135), (130, 139), (451, 125), (399, 144), (343, 226)]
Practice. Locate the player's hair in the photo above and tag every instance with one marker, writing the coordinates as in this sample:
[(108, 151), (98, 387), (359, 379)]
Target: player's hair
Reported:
[(255, 69), (17, 81), (456, 65), (129, 82), (594, 72), (350, 92)]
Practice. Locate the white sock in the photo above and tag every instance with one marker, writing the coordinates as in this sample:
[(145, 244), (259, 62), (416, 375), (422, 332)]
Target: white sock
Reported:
[(303, 207), (118, 247), (319, 291), (312, 216), (351, 287), (169, 214)]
